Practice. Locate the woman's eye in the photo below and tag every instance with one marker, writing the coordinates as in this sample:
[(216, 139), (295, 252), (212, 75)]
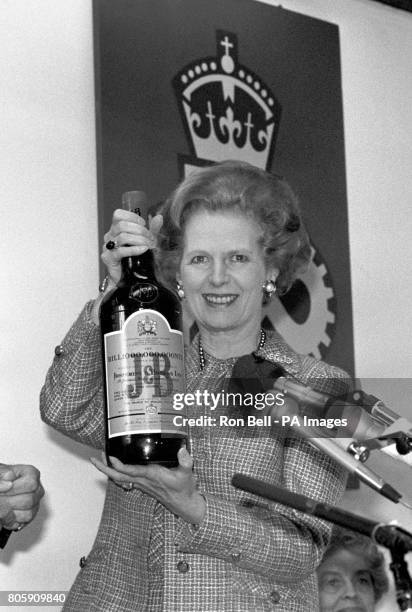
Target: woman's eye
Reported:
[(332, 583), (199, 259), (239, 258)]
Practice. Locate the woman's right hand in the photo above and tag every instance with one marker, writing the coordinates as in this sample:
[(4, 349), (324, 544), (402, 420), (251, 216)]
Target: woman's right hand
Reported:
[(131, 236)]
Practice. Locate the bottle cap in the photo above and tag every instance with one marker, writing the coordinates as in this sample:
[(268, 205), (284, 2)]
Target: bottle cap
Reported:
[(135, 201)]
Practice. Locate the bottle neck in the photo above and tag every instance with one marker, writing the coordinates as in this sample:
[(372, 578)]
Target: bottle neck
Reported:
[(138, 268)]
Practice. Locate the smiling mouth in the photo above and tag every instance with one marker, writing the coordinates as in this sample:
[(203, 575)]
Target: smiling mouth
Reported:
[(214, 299)]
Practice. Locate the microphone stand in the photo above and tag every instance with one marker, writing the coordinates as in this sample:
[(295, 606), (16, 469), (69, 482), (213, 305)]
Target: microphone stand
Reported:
[(396, 539), (403, 442), (403, 583), (386, 417)]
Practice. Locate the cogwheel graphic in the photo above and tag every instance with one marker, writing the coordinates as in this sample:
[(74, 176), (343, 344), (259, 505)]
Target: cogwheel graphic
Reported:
[(305, 316)]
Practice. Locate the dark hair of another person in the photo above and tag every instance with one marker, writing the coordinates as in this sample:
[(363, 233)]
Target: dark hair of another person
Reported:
[(364, 546), (234, 186)]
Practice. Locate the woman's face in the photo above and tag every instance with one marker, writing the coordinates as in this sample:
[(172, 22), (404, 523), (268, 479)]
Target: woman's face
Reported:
[(345, 583), (223, 270)]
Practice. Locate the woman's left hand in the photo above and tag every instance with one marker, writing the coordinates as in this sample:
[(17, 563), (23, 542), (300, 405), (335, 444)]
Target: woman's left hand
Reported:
[(175, 488)]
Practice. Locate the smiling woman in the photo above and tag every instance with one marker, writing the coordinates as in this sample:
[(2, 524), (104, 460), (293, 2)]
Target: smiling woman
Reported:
[(185, 539), (238, 188), (222, 271)]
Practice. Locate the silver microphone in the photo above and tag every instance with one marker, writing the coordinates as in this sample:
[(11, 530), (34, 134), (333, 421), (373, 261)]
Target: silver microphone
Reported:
[(289, 413), (358, 426), (370, 422), (395, 426), (381, 412)]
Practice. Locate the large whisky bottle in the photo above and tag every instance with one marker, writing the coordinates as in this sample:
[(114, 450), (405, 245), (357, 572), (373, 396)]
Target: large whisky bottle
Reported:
[(143, 362)]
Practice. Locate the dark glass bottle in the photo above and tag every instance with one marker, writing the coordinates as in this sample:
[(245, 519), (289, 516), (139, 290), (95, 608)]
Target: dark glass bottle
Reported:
[(143, 363)]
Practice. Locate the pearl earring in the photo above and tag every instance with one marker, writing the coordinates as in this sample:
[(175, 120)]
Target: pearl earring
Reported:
[(269, 288), (180, 291)]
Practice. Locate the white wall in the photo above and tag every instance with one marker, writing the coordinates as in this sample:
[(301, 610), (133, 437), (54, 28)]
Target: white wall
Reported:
[(49, 267), (49, 245)]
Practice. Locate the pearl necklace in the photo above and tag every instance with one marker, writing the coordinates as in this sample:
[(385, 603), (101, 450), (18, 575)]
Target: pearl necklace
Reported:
[(202, 360)]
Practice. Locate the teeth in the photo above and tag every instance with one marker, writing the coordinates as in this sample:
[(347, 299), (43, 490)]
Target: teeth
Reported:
[(220, 299)]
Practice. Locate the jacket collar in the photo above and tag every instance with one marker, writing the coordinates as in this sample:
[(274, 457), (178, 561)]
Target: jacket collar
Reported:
[(276, 350)]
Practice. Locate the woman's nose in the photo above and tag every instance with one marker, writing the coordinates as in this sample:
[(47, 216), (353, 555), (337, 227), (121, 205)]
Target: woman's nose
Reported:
[(218, 273), (349, 589)]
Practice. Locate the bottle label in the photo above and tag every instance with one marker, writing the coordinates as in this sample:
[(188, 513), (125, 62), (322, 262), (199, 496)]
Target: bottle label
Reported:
[(144, 369)]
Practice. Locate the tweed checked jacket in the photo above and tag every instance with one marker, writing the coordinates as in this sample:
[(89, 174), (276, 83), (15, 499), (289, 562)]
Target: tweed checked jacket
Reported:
[(248, 554)]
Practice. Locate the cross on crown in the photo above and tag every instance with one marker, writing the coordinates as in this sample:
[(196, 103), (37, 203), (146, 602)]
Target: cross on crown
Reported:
[(227, 110)]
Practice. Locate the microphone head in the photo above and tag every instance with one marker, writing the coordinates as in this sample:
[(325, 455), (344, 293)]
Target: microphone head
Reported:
[(252, 374)]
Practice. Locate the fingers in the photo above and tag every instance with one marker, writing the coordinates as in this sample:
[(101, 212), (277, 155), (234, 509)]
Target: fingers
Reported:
[(7, 516), (185, 459), (39, 493), (10, 522), (5, 486), (154, 480), (153, 472), (119, 479), (27, 480), (119, 472), (7, 476), (19, 509), (25, 502), (21, 518), (131, 471), (155, 223), (129, 233), (20, 503), (112, 259), (6, 473), (129, 237), (105, 469), (127, 228), (125, 471), (120, 215)]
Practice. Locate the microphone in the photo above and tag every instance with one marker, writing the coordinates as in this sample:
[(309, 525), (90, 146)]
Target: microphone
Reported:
[(381, 412), (367, 427), (397, 428), (361, 425), (390, 536), (289, 414)]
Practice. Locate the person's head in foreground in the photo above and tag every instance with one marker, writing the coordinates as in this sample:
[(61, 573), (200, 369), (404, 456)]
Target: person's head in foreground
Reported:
[(352, 576)]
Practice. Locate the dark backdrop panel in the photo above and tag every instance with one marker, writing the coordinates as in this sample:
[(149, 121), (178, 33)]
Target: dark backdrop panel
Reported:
[(140, 47)]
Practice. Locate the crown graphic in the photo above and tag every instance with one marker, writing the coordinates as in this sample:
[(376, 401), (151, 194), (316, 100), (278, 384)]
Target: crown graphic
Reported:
[(228, 111), (146, 327)]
